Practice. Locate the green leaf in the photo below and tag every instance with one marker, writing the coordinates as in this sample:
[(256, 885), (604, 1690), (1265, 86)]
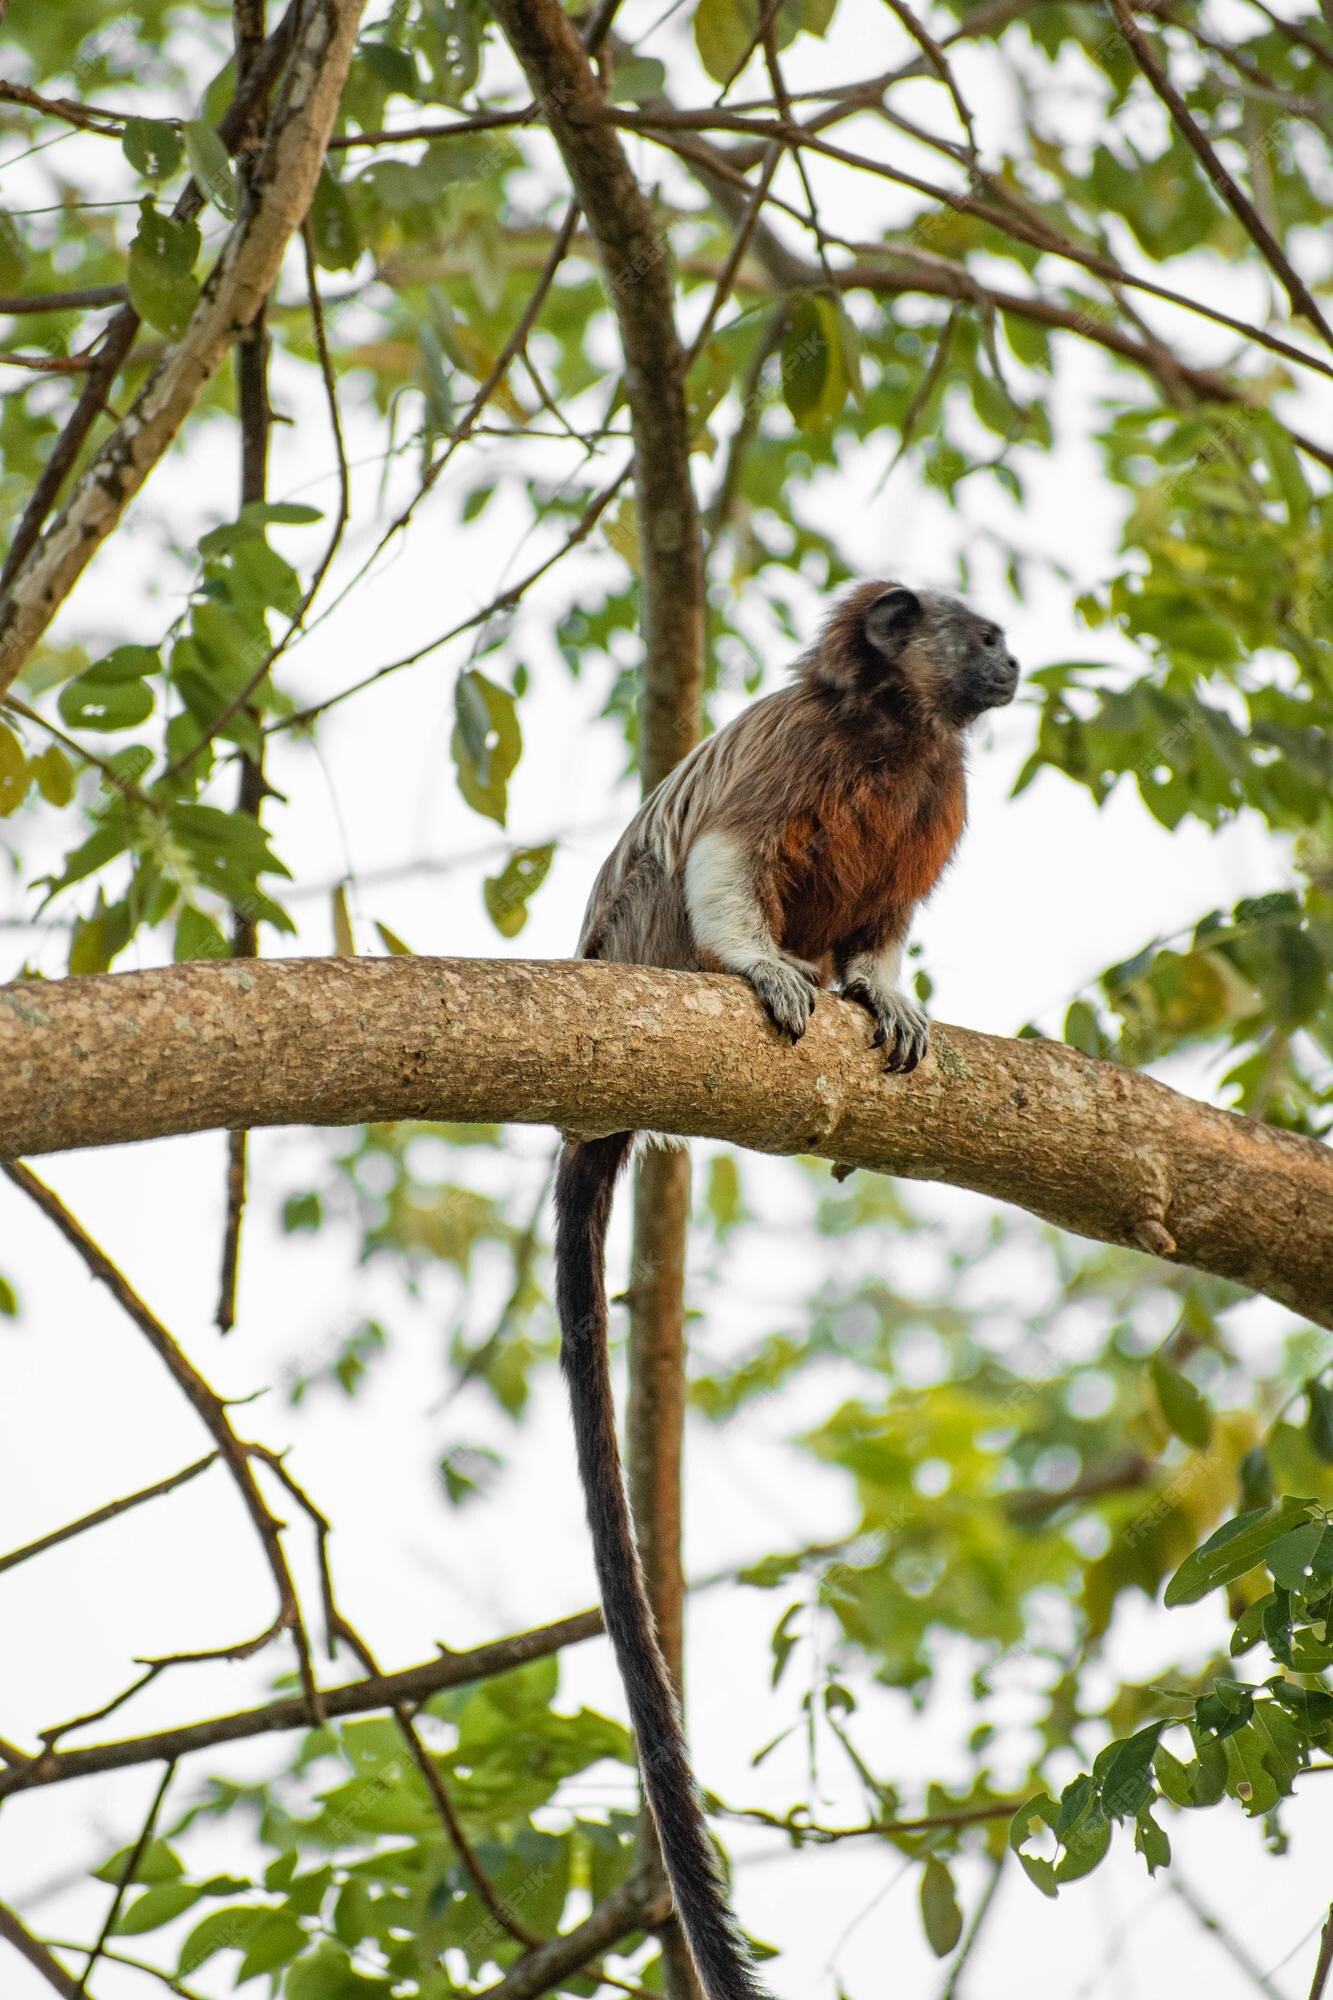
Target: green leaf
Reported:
[(1122, 1770), (344, 938), (392, 943), (54, 775), (157, 1906), (1151, 1842), (162, 256), (940, 1914), (152, 147), (275, 1942), (486, 743), (1234, 1550), (507, 894), (1319, 1417), (333, 225), (157, 1863), (637, 78), (13, 254), (211, 166), (816, 372), (1184, 1408), (230, 1929), (1041, 1808), (1302, 1559), (15, 773), (197, 936), (92, 703), (9, 1304)]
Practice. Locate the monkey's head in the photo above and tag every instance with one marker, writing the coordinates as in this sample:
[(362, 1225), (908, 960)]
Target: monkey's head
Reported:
[(919, 653)]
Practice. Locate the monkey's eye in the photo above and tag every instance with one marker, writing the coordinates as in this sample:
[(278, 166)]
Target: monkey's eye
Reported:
[(990, 636)]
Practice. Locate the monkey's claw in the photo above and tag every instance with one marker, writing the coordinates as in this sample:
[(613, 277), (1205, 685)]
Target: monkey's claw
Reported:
[(901, 1029), (787, 993)]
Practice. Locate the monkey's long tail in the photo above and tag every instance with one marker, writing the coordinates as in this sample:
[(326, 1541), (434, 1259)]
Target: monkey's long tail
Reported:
[(585, 1183)]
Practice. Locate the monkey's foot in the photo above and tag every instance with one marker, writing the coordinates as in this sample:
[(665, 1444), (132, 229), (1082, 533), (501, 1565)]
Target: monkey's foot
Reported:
[(786, 986), (901, 1029)]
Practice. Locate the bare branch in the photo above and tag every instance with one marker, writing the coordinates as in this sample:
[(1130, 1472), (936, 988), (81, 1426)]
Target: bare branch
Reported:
[(410, 1685), (132, 1860), (107, 1513), (1231, 192), (635, 264), (1324, 1963), (1095, 1148), (14, 1931), (206, 1403), (241, 280), (118, 334)]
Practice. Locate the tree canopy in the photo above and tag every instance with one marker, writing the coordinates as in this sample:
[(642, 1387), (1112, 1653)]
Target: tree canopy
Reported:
[(608, 309)]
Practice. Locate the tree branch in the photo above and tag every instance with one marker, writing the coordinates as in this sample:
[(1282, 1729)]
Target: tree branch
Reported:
[(107, 1513), (1230, 191), (15, 1932), (118, 334), (637, 1905), (284, 182), (636, 264), (1102, 1151), (411, 1685), (636, 267), (211, 1410)]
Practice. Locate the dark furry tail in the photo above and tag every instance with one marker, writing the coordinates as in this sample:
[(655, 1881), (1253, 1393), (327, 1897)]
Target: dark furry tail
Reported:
[(585, 1182)]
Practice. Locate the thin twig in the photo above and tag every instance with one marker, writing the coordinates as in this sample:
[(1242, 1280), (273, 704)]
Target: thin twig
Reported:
[(256, 425), (504, 601), (1235, 197), (362, 1697), (14, 1931), (1227, 1939), (204, 1400), (1324, 1963), (88, 300), (106, 1513), (119, 333), (126, 1876), (50, 364)]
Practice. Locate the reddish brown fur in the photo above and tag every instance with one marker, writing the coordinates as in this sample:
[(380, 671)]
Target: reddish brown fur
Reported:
[(845, 791)]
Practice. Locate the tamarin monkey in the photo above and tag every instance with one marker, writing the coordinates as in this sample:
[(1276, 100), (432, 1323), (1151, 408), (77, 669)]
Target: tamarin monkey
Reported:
[(792, 848)]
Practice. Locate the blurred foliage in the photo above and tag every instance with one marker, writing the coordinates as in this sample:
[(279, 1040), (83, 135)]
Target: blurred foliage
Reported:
[(1014, 1474)]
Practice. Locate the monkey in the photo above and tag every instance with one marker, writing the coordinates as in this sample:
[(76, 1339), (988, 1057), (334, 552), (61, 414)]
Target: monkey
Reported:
[(790, 848)]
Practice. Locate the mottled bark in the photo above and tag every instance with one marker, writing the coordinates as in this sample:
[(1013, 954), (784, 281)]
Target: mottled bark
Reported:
[(1102, 1151)]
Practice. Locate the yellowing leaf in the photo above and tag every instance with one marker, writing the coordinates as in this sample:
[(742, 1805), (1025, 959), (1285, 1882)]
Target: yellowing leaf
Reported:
[(15, 775)]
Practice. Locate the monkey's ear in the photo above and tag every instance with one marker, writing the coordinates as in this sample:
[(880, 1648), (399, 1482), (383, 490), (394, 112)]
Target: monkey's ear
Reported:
[(891, 620)]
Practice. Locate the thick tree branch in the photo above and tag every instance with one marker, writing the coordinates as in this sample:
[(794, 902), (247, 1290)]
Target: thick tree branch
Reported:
[(284, 182), (637, 1905), (637, 270), (412, 1685), (636, 265), (119, 333), (1099, 1150)]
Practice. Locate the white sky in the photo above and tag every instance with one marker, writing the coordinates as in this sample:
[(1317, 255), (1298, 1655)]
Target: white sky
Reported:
[(1048, 890)]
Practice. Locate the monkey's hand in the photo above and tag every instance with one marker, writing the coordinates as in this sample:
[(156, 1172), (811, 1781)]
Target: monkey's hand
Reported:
[(901, 1029), (787, 987)]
